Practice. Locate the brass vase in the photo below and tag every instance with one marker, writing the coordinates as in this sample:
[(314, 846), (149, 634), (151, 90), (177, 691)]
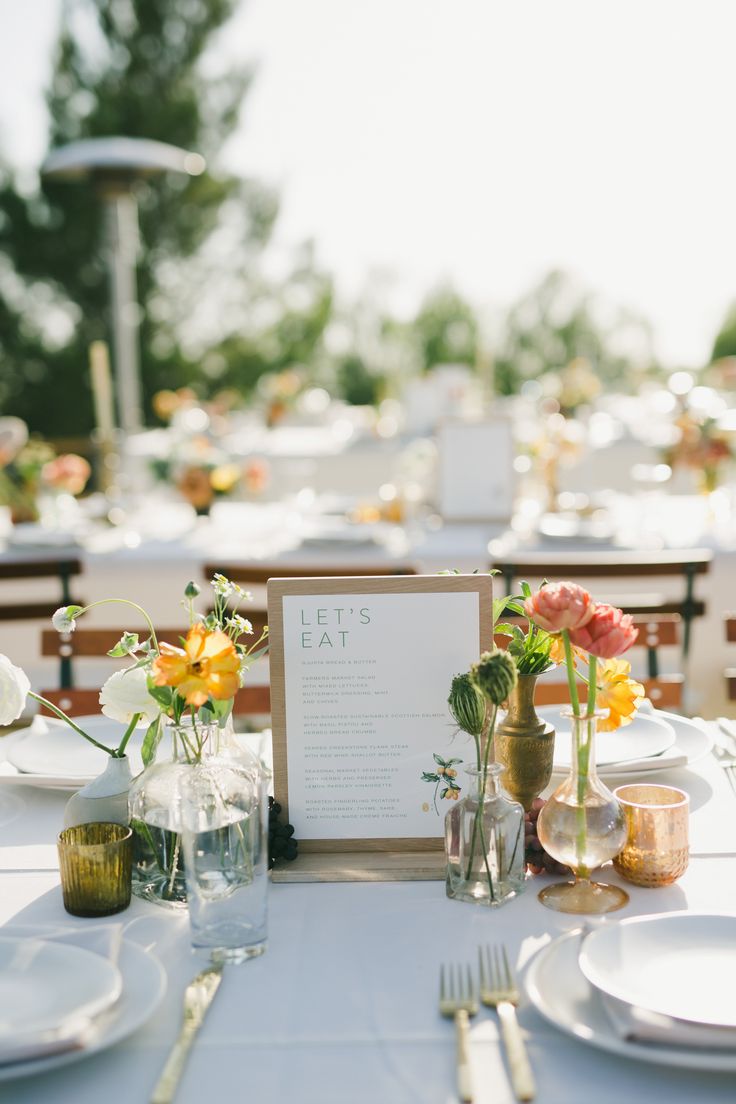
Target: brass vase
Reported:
[(524, 745)]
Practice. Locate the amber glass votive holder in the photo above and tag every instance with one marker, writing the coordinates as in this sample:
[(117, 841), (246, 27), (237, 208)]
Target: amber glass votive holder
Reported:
[(657, 848), (95, 863)]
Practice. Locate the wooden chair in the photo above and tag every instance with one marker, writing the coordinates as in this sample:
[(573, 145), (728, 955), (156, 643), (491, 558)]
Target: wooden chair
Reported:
[(258, 574), (730, 622), (95, 643), (618, 567), (62, 569), (665, 691)]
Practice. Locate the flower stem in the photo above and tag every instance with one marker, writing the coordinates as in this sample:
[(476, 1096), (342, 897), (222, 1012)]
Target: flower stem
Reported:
[(63, 716), (583, 748), (125, 602), (120, 750), (570, 666)]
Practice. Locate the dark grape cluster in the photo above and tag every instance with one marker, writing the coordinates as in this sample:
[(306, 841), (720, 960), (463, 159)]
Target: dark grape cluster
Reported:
[(537, 859), (281, 842)]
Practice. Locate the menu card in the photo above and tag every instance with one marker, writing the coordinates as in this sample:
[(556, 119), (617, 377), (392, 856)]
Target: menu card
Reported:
[(360, 674), (476, 470)]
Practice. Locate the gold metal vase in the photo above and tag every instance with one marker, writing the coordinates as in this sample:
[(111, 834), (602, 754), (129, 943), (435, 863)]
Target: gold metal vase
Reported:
[(524, 745)]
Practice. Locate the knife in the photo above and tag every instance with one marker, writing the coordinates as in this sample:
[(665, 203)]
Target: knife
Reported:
[(198, 996), (727, 727)]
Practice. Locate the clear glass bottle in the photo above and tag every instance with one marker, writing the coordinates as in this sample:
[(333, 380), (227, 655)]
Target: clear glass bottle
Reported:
[(582, 825), (484, 842), (157, 804)]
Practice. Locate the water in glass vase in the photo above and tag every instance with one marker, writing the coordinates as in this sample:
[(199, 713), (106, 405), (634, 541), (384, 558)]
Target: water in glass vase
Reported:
[(158, 864), (484, 842)]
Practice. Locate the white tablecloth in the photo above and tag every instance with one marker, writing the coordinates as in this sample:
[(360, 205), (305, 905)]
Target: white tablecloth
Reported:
[(342, 1007)]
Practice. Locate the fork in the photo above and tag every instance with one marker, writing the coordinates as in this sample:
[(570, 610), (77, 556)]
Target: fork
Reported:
[(727, 761), (498, 989), (459, 1001)]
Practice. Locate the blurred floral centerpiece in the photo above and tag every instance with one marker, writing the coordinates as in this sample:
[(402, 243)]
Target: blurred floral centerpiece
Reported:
[(703, 446), (30, 470)]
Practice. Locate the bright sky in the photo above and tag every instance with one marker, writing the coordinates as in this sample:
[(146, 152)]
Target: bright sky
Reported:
[(479, 141)]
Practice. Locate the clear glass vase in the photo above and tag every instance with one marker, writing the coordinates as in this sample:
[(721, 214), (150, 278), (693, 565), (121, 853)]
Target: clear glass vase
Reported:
[(484, 842), (582, 825), (157, 804)]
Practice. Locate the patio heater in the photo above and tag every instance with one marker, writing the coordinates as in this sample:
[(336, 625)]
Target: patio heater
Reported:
[(113, 165)]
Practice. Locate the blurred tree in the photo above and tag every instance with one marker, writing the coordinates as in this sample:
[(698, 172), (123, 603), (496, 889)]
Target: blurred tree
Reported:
[(725, 342), (133, 68), (446, 330), (557, 323)]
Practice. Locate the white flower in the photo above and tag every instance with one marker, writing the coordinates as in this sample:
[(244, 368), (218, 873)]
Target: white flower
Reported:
[(14, 687), (126, 693), (62, 621)]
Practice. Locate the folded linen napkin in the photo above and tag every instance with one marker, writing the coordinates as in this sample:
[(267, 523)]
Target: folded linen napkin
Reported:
[(75, 1032), (640, 1025)]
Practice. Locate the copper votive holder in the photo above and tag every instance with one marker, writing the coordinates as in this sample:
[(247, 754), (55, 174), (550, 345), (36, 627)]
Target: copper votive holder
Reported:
[(95, 864), (657, 848)]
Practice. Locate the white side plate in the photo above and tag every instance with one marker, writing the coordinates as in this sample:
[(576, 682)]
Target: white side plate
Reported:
[(52, 749), (144, 985), (559, 991), (648, 734), (679, 964), (44, 984)]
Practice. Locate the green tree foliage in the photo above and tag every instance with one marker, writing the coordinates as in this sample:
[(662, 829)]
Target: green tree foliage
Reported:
[(725, 342), (446, 330), (555, 323), (133, 68)]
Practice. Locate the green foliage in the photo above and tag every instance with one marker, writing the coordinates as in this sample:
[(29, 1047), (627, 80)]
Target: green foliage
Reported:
[(557, 322), (467, 705), (495, 675), (725, 342), (133, 68)]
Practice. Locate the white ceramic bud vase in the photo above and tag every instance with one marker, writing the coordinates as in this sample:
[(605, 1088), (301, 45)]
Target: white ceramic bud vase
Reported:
[(103, 799)]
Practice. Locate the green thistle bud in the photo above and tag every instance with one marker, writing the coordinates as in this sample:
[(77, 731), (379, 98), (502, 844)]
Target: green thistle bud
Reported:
[(191, 591), (495, 675), (467, 705)]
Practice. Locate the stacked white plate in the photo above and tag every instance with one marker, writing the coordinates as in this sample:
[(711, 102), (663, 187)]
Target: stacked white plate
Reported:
[(659, 988), (52, 755), (68, 1002), (654, 740)]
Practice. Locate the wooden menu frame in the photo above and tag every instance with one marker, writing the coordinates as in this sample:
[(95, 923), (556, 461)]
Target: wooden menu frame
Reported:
[(387, 858)]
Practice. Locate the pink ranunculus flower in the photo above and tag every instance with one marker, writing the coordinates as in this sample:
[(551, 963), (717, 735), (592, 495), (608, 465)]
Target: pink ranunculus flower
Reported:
[(68, 473), (560, 606), (607, 634)]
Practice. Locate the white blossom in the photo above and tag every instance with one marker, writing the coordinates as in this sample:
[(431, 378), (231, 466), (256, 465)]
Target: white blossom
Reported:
[(14, 687), (62, 621), (126, 693)]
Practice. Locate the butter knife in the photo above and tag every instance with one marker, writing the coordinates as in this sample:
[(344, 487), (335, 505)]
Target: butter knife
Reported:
[(198, 996)]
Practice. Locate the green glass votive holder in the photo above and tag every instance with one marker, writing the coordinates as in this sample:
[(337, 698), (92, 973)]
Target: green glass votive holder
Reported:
[(95, 864)]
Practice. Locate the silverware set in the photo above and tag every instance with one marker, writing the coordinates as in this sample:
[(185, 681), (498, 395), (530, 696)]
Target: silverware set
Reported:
[(725, 753), (459, 1000)]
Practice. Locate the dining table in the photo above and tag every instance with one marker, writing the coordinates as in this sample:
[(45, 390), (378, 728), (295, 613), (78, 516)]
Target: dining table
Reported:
[(343, 1006)]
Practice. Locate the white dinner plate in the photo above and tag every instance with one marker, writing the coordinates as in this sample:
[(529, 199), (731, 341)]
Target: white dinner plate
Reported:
[(692, 742), (143, 987), (50, 748), (648, 734), (680, 964), (558, 989), (44, 984)]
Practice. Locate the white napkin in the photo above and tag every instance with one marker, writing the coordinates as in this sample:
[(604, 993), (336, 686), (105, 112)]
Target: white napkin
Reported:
[(640, 1025), (76, 1032)]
